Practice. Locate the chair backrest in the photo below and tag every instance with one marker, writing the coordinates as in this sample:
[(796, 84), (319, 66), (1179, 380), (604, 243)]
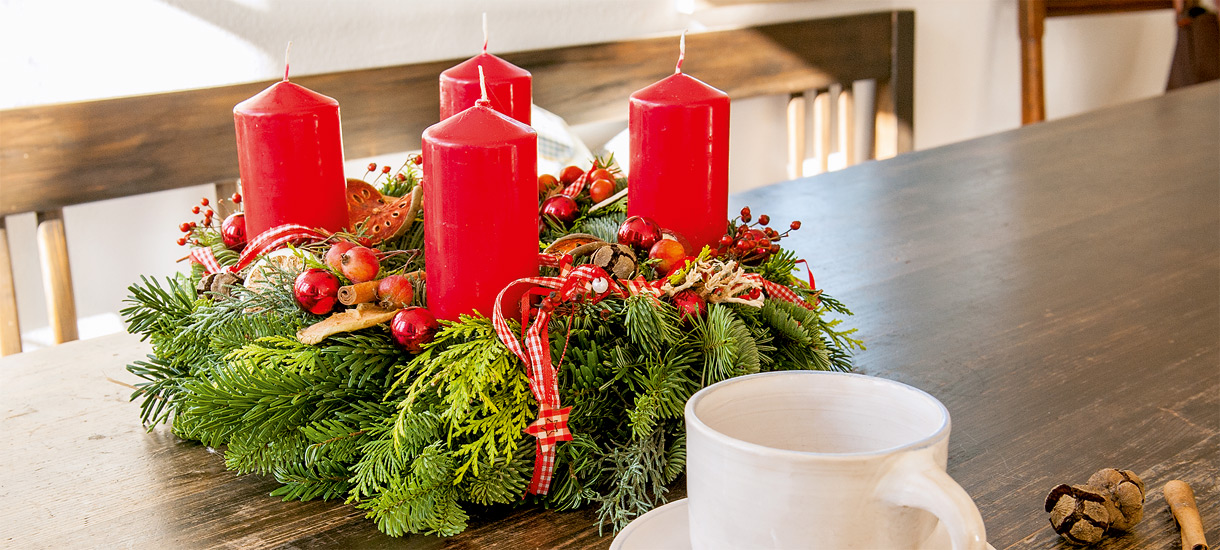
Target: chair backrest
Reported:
[(135, 145), (1031, 16)]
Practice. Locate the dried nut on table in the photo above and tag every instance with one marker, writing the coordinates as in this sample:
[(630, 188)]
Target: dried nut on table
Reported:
[(1112, 499)]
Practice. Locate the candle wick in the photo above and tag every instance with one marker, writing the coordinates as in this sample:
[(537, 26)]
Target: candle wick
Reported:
[(483, 87), (484, 32), (286, 51), (681, 53)]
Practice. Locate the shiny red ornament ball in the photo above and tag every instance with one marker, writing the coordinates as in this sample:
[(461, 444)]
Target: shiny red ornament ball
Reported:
[(316, 291), (561, 208), (233, 231), (639, 232), (413, 328)]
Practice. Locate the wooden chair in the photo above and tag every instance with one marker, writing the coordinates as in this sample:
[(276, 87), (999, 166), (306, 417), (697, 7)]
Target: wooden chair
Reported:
[(1031, 15), (136, 145)]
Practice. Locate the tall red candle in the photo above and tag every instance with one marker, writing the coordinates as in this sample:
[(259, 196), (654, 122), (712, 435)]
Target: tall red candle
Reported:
[(290, 154), (679, 175), (481, 199), (508, 87)]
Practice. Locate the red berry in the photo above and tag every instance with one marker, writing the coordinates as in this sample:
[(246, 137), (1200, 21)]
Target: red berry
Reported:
[(745, 211), (372, 166), (774, 248), (334, 257), (195, 210), (795, 225), (561, 208), (745, 216), (413, 328), (316, 291), (570, 174), (233, 230), (181, 241), (395, 291), (726, 241), (601, 190), (237, 198), (764, 219), (203, 201), (185, 227), (385, 169), (359, 264), (400, 176)]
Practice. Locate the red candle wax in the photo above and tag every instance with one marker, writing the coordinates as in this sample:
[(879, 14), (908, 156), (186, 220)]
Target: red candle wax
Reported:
[(680, 158), (508, 87), (481, 202), (290, 154)]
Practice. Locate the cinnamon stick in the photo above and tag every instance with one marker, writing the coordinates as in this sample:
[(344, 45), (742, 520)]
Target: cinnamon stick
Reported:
[(359, 293), (1181, 500)]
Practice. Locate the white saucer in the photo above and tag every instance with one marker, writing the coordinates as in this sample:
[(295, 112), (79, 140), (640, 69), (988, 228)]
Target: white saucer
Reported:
[(666, 528)]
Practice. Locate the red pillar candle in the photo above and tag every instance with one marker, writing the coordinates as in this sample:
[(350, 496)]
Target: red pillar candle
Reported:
[(680, 157), (481, 202), (290, 154), (508, 87)]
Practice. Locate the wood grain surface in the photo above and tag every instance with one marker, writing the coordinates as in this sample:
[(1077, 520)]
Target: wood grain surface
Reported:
[(57, 155), (1057, 287)]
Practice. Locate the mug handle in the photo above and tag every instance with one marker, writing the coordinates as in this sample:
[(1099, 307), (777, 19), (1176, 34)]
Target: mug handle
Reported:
[(917, 481)]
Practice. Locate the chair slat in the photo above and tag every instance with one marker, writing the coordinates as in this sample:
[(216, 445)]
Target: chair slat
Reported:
[(10, 328), (57, 275)]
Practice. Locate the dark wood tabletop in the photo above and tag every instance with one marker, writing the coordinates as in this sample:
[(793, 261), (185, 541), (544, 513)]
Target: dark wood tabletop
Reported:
[(1056, 286)]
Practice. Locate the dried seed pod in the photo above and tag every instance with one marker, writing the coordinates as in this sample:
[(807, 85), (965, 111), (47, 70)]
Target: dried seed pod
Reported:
[(1125, 492), (1079, 513), (616, 259), (221, 284)]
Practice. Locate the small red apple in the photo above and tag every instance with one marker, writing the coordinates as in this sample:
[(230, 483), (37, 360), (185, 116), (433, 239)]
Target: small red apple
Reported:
[(669, 253), (546, 182), (359, 264), (395, 291), (334, 257), (570, 174), (601, 190)]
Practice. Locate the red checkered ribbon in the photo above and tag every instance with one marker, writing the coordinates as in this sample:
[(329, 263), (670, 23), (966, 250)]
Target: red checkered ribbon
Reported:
[(267, 241), (778, 291), (576, 187), (552, 424)]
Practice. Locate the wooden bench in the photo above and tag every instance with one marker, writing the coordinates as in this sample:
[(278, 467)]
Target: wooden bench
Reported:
[(59, 155)]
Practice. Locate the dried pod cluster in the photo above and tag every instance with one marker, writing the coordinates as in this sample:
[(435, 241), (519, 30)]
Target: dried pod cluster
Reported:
[(1082, 514)]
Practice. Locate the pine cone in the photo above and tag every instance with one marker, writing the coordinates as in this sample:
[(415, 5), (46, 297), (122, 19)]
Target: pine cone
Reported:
[(1125, 494), (1079, 513)]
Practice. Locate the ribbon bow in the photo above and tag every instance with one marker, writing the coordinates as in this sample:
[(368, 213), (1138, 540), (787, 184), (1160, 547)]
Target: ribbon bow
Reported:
[(267, 241)]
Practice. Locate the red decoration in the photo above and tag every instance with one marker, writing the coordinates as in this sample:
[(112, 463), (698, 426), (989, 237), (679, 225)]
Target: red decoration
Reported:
[(480, 195), (639, 232), (233, 231), (413, 327), (561, 208), (290, 154), (508, 87), (680, 156), (383, 217), (316, 291), (395, 291), (359, 264), (689, 302), (669, 253)]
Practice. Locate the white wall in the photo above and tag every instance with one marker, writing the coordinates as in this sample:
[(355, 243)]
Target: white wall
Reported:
[(966, 85)]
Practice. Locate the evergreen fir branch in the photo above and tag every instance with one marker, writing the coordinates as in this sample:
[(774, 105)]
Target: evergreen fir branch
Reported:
[(636, 473), (504, 479), (324, 480), (423, 501), (604, 223), (662, 390), (162, 393), (650, 324), (156, 308), (381, 460), (577, 467), (248, 453), (728, 345)]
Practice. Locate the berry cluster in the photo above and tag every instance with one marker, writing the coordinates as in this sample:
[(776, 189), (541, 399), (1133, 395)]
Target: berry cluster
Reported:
[(233, 228), (752, 243), (398, 176)]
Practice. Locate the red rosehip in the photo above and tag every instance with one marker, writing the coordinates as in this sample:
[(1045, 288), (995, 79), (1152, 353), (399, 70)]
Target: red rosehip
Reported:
[(764, 219), (726, 241), (601, 189), (316, 291), (546, 182), (795, 225), (236, 198), (203, 201), (359, 264), (194, 209), (570, 174), (181, 241), (372, 166)]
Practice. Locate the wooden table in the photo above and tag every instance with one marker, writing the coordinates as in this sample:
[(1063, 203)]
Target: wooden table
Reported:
[(1057, 286)]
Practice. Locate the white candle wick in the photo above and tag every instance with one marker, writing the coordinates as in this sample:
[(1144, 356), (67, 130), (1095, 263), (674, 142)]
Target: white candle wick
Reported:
[(482, 85), (484, 32), (681, 53), (286, 50)]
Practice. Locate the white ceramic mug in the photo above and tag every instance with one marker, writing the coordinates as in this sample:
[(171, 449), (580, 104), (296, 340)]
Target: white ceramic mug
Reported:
[(805, 459)]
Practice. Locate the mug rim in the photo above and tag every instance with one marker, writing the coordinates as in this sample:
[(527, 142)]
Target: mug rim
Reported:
[(694, 422)]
